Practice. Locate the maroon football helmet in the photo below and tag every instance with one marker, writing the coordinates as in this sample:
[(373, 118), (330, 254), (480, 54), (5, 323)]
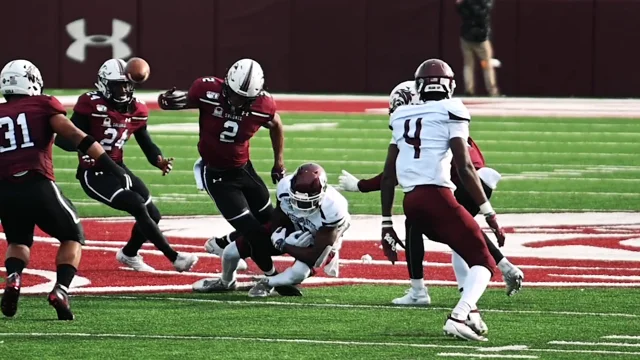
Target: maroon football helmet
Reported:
[(434, 76), (308, 186)]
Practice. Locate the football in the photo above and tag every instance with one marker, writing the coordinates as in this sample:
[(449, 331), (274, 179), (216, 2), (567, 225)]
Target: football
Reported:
[(137, 70)]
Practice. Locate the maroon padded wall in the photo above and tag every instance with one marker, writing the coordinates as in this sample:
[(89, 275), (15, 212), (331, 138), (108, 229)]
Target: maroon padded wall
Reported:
[(547, 47)]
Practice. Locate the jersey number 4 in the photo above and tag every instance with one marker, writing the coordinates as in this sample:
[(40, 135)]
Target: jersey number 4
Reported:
[(111, 137), (10, 134), (415, 139)]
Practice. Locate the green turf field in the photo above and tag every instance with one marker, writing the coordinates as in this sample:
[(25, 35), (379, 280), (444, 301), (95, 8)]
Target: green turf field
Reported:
[(552, 164), (233, 327)]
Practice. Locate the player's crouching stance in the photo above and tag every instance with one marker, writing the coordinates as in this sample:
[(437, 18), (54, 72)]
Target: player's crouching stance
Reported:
[(319, 215), (29, 195), (424, 139)]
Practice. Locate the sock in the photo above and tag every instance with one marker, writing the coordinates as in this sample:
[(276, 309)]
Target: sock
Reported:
[(474, 286), (135, 242), (230, 259), (271, 272), (14, 265), (152, 232), (504, 265), (65, 274), (493, 249), (291, 276), (417, 284), (414, 252), (460, 269)]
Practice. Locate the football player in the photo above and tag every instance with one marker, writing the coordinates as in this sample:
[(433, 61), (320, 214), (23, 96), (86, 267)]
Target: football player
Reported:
[(424, 139), (29, 195), (405, 94), (111, 115), (232, 110), (309, 221)]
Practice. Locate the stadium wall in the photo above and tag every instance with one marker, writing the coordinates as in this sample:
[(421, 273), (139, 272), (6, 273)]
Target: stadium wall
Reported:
[(548, 47)]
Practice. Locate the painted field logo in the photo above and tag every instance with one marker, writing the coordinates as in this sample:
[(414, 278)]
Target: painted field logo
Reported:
[(552, 250)]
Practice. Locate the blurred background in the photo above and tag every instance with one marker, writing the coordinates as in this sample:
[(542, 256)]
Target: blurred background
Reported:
[(581, 48)]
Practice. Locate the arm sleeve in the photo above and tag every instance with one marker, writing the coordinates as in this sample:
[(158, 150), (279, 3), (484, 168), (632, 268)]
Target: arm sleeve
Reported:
[(82, 122), (149, 148), (369, 185), (458, 129)]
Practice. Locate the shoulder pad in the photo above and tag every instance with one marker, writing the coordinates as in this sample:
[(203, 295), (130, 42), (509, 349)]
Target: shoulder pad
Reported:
[(456, 109)]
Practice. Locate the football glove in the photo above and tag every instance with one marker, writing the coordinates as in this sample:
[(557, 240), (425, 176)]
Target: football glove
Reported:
[(173, 100), (278, 238), (88, 161), (348, 182), (197, 173), (277, 173), (390, 241), (165, 164), (299, 238)]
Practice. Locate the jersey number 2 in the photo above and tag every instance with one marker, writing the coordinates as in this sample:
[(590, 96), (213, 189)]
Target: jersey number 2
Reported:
[(111, 135), (11, 133), (415, 139), (230, 131)]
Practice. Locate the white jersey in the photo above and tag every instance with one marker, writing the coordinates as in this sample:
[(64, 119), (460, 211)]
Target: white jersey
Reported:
[(333, 211), (422, 134)]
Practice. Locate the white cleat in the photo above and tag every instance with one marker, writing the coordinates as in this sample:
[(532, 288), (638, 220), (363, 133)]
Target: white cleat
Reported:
[(475, 322), (212, 247), (185, 262), (513, 279), (460, 330), (134, 262), (414, 297), (261, 289), (212, 285)]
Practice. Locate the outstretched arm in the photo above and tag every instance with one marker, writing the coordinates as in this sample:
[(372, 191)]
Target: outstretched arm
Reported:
[(81, 122)]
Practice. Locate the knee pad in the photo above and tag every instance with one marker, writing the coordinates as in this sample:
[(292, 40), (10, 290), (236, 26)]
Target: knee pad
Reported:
[(130, 202), (154, 213)]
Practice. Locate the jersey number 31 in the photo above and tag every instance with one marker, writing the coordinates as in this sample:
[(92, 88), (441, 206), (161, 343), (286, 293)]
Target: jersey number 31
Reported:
[(10, 134)]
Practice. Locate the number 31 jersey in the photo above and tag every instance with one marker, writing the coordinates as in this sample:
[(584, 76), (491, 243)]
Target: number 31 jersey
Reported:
[(26, 136), (109, 127), (422, 134), (225, 132)]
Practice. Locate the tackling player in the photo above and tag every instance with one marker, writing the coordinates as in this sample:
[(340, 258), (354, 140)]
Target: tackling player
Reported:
[(29, 195), (309, 221), (405, 94), (232, 110), (111, 115), (424, 139)]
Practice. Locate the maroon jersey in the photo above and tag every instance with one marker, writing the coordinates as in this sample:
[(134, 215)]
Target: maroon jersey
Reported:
[(109, 127), (476, 158), (225, 133), (26, 135)]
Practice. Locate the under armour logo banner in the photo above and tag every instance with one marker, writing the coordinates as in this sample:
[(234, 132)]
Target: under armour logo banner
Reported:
[(78, 49)]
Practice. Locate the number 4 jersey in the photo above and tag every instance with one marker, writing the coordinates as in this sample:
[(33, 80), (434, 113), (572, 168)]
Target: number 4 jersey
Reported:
[(26, 136), (422, 134), (225, 132), (109, 127)]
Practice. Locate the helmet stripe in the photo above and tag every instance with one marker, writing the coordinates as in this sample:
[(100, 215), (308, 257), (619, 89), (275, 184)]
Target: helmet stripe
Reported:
[(247, 80)]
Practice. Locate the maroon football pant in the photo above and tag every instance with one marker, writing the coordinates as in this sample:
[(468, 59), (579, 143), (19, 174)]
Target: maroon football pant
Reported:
[(434, 211)]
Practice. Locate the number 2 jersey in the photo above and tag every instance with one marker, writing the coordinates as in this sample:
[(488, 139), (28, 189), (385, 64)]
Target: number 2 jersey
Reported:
[(26, 136), (109, 127), (225, 132), (422, 134)]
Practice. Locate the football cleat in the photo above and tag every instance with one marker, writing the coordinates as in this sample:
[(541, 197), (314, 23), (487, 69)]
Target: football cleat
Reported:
[(475, 322), (288, 290), (414, 297), (513, 279), (261, 289), (9, 304), (185, 262), (59, 299), (460, 330), (212, 285), (134, 262), (216, 246)]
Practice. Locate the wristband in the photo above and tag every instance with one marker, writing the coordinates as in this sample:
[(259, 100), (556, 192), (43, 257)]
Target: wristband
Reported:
[(86, 143), (486, 208), (386, 221)]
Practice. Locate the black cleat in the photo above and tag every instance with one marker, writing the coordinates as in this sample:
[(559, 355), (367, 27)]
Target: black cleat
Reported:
[(59, 299), (11, 295), (288, 290)]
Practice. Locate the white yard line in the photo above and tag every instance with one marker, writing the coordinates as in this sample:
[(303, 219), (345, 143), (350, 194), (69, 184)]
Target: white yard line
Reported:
[(622, 337), (488, 356), (586, 343)]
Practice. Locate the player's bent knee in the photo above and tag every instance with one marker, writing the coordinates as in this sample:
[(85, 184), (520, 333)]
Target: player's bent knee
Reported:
[(130, 202), (154, 212), (299, 272)]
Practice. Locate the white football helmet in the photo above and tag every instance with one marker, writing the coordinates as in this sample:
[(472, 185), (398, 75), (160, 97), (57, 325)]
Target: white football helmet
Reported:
[(403, 94), (244, 82), (21, 77), (113, 83)]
